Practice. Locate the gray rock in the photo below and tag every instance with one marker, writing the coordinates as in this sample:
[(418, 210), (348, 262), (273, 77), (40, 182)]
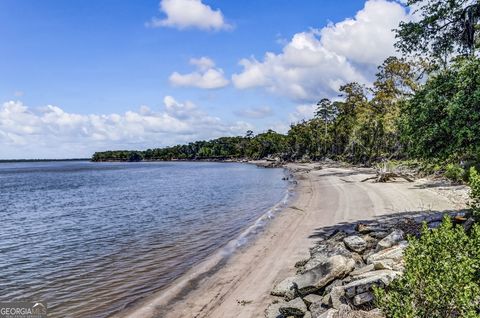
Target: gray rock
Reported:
[(295, 307), (368, 228), (331, 313), (364, 283), (334, 267), (317, 309), (362, 270), (378, 234), (273, 310), (390, 240), (468, 224), (337, 297), (362, 298), (321, 252), (384, 264), (285, 288), (395, 253), (355, 243), (335, 283), (307, 315), (312, 298)]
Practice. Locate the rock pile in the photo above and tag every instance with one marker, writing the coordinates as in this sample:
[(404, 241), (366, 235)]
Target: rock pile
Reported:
[(347, 261)]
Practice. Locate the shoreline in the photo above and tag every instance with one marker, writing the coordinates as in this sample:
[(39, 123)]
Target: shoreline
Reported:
[(239, 286)]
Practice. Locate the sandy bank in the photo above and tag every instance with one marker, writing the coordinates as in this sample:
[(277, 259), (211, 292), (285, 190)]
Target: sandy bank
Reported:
[(240, 287)]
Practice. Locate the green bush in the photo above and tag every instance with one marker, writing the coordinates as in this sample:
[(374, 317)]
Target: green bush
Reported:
[(454, 172), (474, 182), (441, 278)]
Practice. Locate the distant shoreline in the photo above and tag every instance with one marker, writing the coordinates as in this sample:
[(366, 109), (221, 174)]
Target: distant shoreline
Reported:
[(42, 160)]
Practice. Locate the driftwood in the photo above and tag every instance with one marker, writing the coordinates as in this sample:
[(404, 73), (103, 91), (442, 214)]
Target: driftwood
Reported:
[(383, 175)]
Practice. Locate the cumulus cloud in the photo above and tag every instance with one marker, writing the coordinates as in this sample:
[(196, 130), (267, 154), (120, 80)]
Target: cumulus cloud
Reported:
[(183, 14), (255, 112), (303, 112), (51, 132), (314, 63), (206, 76)]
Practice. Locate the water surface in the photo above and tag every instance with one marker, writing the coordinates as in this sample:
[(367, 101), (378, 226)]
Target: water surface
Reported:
[(90, 238)]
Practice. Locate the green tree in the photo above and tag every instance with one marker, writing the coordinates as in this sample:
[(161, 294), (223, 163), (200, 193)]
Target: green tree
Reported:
[(444, 27), (327, 112)]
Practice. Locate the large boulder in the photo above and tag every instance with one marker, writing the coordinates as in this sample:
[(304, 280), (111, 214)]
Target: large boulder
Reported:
[(390, 240), (395, 253), (364, 282), (295, 307), (337, 266), (285, 288), (321, 252), (355, 243)]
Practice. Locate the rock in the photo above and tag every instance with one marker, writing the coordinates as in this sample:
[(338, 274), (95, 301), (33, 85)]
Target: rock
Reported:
[(378, 234), (383, 264), (321, 252), (307, 315), (285, 288), (390, 240), (295, 307), (395, 253), (386, 272), (317, 308), (355, 243), (331, 313), (468, 224), (335, 283), (362, 270), (367, 228), (312, 298), (324, 273), (273, 311), (337, 297), (364, 283), (362, 298)]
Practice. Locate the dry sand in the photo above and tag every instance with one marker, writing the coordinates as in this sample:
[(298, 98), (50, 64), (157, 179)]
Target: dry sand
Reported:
[(240, 287)]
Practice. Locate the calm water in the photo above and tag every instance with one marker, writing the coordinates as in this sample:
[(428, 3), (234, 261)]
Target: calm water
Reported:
[(90, 238)]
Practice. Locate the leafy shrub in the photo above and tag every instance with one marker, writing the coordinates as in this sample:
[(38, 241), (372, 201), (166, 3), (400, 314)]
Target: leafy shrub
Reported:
[(454, 172), (441, 278), (474, 182)]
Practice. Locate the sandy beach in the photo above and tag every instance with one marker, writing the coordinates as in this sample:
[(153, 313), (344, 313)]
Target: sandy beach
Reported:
[(240, 286)]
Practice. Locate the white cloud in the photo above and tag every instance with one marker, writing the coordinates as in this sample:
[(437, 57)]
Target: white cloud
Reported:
[(316, 62), (255, 112), (303, 112), (206, 76), (183, 14), (51, 132)]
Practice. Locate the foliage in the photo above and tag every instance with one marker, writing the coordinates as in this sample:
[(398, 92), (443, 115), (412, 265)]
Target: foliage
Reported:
[(474, 182), (454, 172), (441, 278), (442, 119), (442, 28)]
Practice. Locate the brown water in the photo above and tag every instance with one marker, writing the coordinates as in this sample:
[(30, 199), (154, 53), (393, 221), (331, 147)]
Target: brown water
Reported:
[(90, 238)]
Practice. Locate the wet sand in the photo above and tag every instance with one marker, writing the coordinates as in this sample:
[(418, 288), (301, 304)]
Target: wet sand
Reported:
[(240, 286)]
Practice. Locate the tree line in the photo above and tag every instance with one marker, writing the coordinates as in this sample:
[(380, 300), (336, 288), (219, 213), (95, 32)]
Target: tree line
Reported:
[(423, 104)]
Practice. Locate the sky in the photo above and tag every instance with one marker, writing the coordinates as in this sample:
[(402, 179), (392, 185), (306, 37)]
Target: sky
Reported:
[(81, 76)]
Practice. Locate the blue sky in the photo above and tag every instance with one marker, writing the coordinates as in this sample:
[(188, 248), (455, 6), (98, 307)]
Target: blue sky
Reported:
[(82, 76)]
